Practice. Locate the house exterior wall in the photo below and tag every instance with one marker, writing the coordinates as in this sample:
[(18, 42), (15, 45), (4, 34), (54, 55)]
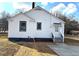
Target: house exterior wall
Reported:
[(13, 28), (31, 31), (48, 21)]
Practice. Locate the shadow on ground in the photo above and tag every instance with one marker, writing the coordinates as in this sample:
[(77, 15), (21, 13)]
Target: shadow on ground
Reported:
[(41, 47)]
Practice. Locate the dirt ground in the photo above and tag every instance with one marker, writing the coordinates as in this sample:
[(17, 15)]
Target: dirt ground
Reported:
[(72, 40), (37, 49), (8, 48)]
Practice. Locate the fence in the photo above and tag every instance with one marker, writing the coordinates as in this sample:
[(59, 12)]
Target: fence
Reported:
[(3, 29)]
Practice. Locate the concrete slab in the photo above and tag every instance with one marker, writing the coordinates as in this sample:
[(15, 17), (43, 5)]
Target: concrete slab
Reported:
[(63, 49)]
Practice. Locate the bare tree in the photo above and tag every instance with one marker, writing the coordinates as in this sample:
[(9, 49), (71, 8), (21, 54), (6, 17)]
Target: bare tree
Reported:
[(19, 11), (4, 22), (70, 22)]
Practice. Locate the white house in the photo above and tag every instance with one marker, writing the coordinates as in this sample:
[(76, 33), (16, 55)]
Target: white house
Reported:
[(37, 24)]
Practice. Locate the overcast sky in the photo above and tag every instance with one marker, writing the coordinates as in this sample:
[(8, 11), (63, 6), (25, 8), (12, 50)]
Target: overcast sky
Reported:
[(67, 8)]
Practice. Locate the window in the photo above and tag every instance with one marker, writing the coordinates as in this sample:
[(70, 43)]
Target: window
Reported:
[(22, 26), (56, 28), (38, 25)]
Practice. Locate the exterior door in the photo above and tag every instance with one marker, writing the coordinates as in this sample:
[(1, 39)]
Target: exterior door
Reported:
[(57, 29)]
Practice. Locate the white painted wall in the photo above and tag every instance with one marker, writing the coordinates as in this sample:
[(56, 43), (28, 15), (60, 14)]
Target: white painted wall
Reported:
[(39, 16), (48, 21)]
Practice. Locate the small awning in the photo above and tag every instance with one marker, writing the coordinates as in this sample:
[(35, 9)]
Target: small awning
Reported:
[(57, 24)]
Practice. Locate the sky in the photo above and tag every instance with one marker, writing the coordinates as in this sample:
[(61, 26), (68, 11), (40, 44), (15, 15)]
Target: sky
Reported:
[(66, 8)]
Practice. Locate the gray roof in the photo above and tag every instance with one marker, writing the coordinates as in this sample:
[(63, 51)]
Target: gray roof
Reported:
[(40, 8), (37, 8)]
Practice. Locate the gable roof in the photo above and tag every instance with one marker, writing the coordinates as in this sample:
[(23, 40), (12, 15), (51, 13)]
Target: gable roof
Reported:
[(22, 14), (37, 8), (40, 8)]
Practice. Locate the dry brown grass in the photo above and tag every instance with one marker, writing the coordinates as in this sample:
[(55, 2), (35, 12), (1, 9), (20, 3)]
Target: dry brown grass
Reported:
[(74, 37), (41, 49), (8, 48), (71, 41)]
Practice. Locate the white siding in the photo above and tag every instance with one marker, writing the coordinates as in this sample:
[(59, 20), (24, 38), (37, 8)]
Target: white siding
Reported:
[(47, 23), (14, 27), (39, 16)]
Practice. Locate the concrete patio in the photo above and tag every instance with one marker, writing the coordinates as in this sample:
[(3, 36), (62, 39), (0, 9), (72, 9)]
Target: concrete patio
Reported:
[(63, 49)]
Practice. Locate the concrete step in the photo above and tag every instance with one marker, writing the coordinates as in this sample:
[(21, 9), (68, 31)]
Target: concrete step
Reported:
[(57, 39)]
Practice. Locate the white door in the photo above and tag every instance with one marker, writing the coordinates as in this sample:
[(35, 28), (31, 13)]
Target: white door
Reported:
[(57, 30)]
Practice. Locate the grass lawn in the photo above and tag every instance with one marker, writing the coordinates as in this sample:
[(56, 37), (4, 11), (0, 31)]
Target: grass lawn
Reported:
[(72, 40), (8, 48)]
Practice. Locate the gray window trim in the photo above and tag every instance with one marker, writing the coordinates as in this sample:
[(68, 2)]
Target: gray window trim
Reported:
[(20, 29), (39, 27)]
